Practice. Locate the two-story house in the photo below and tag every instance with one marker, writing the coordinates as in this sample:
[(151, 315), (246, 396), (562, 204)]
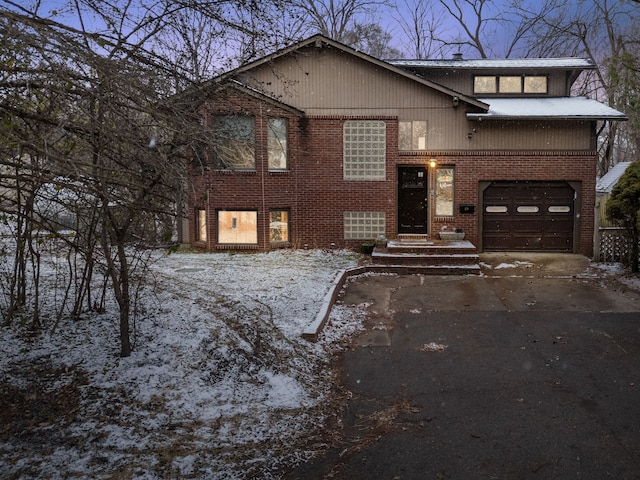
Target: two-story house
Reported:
[(320, 146)]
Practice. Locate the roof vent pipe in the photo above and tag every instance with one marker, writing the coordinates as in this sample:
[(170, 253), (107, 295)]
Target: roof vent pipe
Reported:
[(457, 56)]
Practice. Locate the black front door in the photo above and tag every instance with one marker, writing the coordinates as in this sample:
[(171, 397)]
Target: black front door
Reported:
[(412, 200)]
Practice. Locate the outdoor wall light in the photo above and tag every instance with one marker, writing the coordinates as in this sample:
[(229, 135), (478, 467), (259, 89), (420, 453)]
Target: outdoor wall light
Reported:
[(433, 163)]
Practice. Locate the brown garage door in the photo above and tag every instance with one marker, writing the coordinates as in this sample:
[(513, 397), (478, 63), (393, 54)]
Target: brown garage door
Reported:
[(528, 216)]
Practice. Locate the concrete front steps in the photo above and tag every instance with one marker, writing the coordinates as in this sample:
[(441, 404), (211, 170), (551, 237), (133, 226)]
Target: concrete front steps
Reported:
[(429, 256)]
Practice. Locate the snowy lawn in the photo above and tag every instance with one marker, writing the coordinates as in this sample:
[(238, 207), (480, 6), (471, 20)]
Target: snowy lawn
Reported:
[(220, 384)]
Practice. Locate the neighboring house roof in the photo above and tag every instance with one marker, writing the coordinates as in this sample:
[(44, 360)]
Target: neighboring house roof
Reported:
[(520, 63), (560, 108), (609, 180), (321, 41)]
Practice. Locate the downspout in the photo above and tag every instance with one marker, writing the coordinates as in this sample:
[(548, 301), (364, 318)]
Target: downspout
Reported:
[(265, 226), (209, 222)]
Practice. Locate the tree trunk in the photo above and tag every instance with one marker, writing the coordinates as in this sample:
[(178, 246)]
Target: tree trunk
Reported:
[(635, 250), (124, 301)]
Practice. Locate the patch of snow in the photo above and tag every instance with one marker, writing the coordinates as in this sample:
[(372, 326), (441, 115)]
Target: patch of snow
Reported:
[(432, 347), (547, 107), (562, 63), (515, 264), (219, 368), (619, 272)]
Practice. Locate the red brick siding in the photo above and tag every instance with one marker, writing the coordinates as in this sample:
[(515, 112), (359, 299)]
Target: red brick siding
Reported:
[(474, 167), (317, 196)]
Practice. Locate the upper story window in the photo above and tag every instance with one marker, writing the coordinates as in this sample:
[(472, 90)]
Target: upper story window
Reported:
[(510, 84), (235, 137), (412, 135), (277, 129), (537, 84), (365, 144)]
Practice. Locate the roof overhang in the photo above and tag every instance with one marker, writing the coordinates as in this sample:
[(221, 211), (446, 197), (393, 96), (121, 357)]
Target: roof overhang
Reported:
[(320, 41), (573, 66), (546, 64), (556, 108), (259, 95)]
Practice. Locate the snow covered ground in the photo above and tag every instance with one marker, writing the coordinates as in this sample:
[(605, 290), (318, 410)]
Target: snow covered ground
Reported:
[(220, 385)]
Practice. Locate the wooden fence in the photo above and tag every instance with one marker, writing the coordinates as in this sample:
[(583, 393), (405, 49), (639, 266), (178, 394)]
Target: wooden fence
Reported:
[(612, 244)]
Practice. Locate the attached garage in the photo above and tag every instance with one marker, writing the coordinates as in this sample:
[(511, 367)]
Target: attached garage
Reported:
[(527, 215)]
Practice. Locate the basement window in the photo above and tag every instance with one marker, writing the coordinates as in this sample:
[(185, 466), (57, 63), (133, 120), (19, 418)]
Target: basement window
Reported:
[(201, 225), (363, 225), (279, 226), (238, 227)]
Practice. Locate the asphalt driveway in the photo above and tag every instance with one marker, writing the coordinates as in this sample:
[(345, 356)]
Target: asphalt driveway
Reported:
[(530, 371)]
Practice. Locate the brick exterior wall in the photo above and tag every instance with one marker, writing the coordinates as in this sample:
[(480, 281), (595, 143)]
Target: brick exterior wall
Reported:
[(316, 195)]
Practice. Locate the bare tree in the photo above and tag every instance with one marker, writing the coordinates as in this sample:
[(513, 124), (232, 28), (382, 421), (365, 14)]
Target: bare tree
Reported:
[(607, 32), (421, 22), (82, 109), (484, 28), (334, 18), (496, 29), (371, 39)]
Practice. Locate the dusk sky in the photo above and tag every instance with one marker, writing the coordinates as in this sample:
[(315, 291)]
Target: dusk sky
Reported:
[(394, 19)]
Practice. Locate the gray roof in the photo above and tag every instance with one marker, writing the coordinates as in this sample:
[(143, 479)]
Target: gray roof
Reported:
[(546, 108), (606, 183), (520, 63)]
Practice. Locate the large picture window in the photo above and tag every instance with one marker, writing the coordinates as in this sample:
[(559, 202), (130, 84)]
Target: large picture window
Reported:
[(277, 143), (365, 145), (444, 191), (238, 227), (235, 142), (412, 135)]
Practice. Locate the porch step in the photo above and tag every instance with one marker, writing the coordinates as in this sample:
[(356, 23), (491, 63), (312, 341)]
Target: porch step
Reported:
[(436, 257)]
